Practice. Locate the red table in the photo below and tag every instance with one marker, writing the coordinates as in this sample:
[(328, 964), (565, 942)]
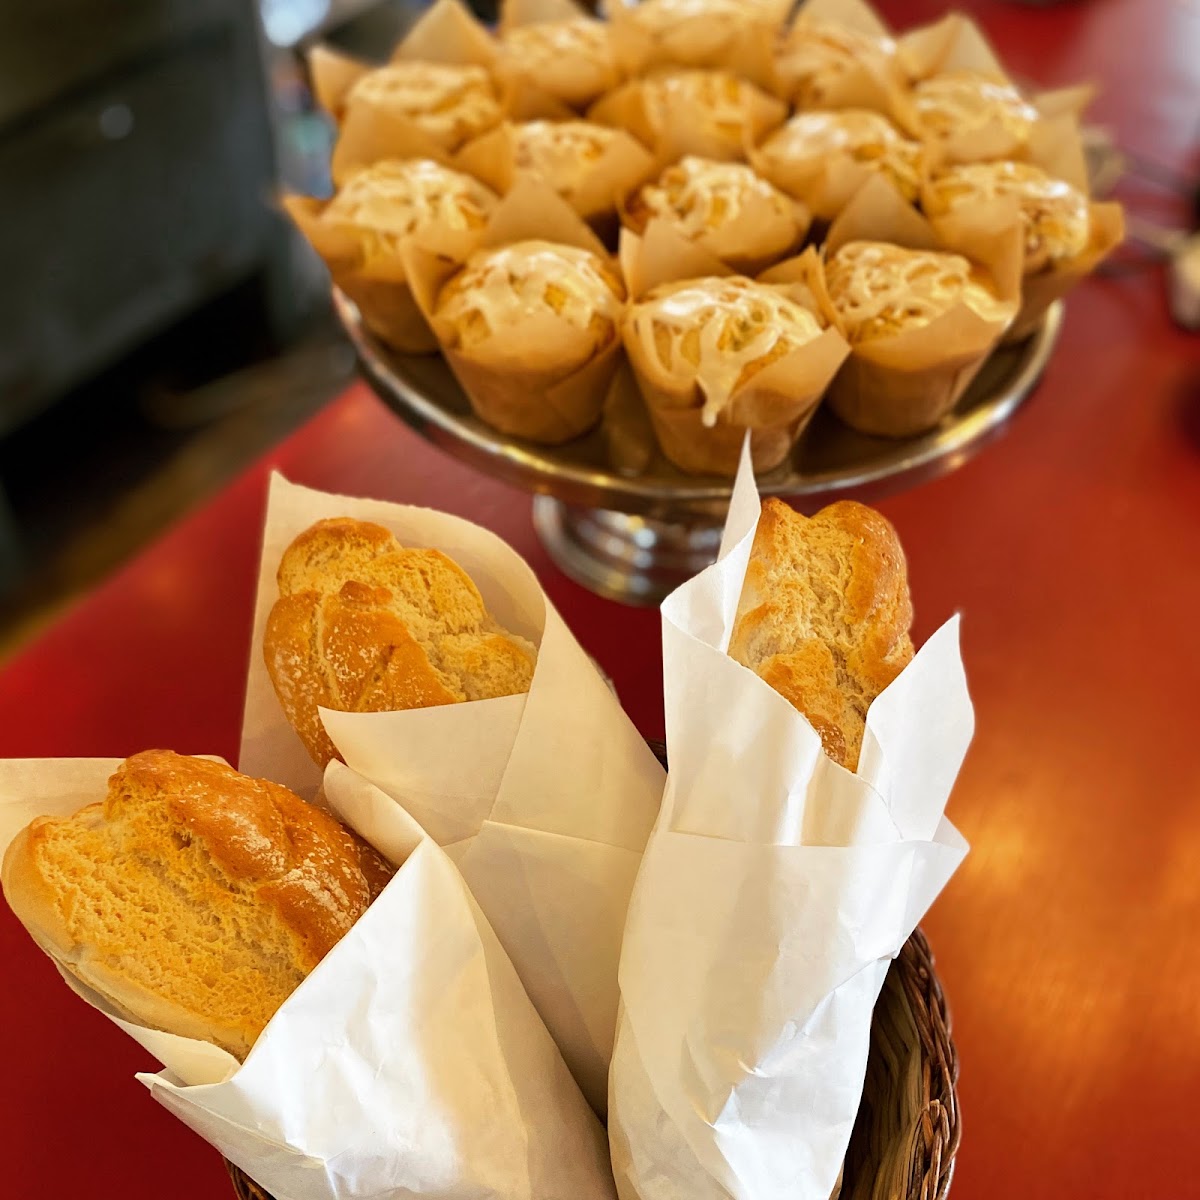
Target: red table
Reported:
[(1067, 941)]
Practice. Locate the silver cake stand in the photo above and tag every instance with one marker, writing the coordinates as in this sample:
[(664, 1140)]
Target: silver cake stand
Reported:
[(634, 536)]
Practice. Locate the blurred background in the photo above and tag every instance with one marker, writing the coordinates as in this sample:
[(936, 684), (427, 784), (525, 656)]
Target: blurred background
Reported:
[(160, 323)]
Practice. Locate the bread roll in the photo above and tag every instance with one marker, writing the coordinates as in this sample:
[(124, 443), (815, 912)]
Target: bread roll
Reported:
[(363, 624), (824, 615), (194, 899), (880, 290)]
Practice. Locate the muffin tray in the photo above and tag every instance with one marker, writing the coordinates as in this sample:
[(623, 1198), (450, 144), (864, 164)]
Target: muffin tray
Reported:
[(633, 536)]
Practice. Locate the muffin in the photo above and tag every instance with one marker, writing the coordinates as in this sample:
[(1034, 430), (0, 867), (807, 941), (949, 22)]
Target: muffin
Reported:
[(1065, 234), (716, 357), (570, 60), (361, 231), (823, 158), (920, 324), (972, 117), (713, 114), (449, 103), (726, 208), (531, 330), (822, 65)]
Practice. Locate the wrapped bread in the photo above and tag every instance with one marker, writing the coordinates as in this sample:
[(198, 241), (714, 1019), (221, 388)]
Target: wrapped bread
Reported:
[(823, 158), (712, 114), (972, 117), (726, 208), (716, 357), (193, 899), (529, 324), (1066, 235), (825, 614), (734, 35), (360, 232), (363, 624), (590, 166), (570, 59)]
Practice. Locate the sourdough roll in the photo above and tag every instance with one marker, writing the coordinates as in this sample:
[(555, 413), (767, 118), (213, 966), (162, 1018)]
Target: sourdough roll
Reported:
[(880, 290), (825, 614), (571, 60), (363, 624), (724, 207), (1054, 214), (194, 899), (449, 103)]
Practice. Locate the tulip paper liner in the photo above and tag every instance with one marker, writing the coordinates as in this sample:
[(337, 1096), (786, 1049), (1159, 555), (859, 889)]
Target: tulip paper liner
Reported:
[(544, 801), (410, 1061), (774, 892)]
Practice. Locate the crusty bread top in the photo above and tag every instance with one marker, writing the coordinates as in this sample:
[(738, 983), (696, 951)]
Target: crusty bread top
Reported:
[(193, 898), (363, 624), (824, 615)]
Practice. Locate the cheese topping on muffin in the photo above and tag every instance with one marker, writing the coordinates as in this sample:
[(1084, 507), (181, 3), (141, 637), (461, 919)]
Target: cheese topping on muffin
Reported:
[(699, 196), (561, 152), (498, 289), (867, 137), (572, 60), (880, 290), (389, 201), (817, 55), (1054, 213), (451, 103), (719, 333), (961, 101)]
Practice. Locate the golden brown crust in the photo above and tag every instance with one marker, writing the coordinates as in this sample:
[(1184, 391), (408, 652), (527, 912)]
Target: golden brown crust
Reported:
[(824, 615), (363, 624), (194, 898)]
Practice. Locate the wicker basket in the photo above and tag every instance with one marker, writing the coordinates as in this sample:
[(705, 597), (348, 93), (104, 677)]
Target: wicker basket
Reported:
[(907, 1131)]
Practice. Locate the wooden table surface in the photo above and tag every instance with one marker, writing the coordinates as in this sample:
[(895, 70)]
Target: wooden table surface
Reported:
[(1068, 940)]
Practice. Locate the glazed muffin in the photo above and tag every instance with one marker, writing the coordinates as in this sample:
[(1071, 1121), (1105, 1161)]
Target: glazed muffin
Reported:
[(822, 158), (717, 357), (823, 65), (974, 117), (726, 208), (448, 103), (563, 153), (531, 331), (1055, 214), (880, 290), (569, 60)]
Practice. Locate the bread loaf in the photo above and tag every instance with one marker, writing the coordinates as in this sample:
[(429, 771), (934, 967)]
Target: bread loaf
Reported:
[(363, 624), (192, 898), (824, 615)]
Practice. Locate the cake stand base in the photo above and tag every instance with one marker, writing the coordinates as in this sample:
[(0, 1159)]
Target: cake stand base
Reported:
[(634, 559)]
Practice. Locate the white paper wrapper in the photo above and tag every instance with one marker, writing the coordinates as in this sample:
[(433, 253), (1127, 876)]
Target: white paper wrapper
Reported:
[(410, 1062), (544, 801), (774, 892)]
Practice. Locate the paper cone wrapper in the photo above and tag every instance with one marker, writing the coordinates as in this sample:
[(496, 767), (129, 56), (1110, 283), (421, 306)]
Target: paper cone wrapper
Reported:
[(622, 167), (674, 130), (573, 80), (333, 75), (410, 1061), (775, 890), (774, 406), (878, 85), (375, 278), (716, 41), (544, 801), (447, 33), (907, 383), (545, 381)]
